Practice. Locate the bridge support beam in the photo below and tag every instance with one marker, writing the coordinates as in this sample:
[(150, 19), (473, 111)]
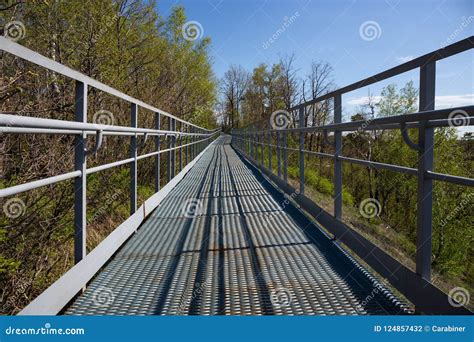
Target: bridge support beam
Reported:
[(80, 183), (133, 164), (158, 156), (301, 124), (425, 184), (337, 161)]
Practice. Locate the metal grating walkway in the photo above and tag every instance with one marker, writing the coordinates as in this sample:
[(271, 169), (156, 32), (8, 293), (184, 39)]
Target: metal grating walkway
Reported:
[(243, 251)]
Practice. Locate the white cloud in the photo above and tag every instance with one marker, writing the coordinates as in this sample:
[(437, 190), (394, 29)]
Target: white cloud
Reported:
[(363, 100), (404, 59), (448, 101)]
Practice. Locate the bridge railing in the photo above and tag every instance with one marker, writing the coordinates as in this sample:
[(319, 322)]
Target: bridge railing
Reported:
[(416, 286), (192, 140)]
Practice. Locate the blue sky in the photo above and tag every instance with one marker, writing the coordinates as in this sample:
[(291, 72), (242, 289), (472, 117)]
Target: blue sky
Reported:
[(324, 30)]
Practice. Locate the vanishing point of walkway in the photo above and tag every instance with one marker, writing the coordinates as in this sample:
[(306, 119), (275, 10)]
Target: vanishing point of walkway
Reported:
[(226, 242)]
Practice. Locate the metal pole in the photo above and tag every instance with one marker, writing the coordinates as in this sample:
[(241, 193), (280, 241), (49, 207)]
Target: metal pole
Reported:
[(186, 153), (133, 164), (80, 183), (270, 151), (169, 152), (278, 154), (180, 155), (285, 157), (337, 162), (301, 148), (262, 141), (173, 145), (158, 156), (425, 185)]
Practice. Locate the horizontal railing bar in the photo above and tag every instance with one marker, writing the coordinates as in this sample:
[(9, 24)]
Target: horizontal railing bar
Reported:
[(450, 50), (16, 130), (31, 122), (16, 189), (377, 165), (451, 179), (377, 124), (29, 55), (129, 160)]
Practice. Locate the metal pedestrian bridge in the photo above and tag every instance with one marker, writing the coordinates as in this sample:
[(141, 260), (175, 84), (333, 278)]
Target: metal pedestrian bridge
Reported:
[(226, 235)]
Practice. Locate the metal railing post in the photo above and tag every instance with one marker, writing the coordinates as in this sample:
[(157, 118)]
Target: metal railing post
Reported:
[(80, 183), (301, 148), (337, 162), (186, 153), (133, 164), (270, 151), (158, 156), (262, 141), (425, 184), (278, 140), (180, 153), (173, 152), (285, 157)]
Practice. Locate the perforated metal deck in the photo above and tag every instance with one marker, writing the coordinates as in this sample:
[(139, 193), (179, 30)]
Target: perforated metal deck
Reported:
[(226, 242)]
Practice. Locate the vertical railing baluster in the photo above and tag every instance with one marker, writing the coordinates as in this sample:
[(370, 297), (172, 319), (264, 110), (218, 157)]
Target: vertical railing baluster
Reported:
[(262, 141), (186, 153), (270, 150), (301, 124), (278, 154), (180, 149), (425, 184), (285, 157), (337, 162), (80, 183), (133, 164), (158, 156), (169, 143), (173, 145)]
